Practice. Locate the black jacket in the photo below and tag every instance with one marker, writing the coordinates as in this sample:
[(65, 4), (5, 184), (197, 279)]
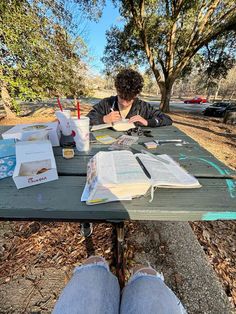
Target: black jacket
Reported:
[(154, 116)]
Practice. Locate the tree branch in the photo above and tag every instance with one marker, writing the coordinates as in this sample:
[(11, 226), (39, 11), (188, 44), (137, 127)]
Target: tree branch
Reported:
[(207, 16), (139, 21)]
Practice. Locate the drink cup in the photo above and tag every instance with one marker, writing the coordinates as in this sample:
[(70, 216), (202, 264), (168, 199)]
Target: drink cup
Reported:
[(80, 132), (64, 121)]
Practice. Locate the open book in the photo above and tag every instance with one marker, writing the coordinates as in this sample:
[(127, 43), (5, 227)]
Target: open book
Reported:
[(120, 175), (122, 125)]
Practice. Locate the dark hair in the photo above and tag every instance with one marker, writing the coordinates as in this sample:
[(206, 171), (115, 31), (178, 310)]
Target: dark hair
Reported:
[(128, 83)]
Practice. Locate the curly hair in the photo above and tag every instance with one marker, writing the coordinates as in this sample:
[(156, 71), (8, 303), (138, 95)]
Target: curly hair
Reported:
[(128, 83)]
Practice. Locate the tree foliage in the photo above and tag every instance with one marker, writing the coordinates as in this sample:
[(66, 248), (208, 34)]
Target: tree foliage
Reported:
[(39, 55), (218, 56), (166, 35)]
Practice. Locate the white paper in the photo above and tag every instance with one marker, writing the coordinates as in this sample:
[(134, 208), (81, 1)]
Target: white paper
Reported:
[(168, 175)]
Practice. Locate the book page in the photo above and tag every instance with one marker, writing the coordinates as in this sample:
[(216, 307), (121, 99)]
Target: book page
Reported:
[(127, 168), (119, 167), (163, 174), (123, 125)]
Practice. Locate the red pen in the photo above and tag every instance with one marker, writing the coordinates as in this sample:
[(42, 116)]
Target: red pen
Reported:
[(78, 109)]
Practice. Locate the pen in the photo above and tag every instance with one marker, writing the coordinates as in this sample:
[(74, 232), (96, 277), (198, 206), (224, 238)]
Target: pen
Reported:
[(143, 167), (112, 107), (168, 141)]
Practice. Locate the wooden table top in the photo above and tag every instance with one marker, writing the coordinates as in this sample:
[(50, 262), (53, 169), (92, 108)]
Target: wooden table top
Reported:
[(60, 199)]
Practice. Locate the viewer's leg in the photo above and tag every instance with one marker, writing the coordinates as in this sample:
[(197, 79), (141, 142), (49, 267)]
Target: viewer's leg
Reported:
[(146, 293), (93, 289), (86, 229)]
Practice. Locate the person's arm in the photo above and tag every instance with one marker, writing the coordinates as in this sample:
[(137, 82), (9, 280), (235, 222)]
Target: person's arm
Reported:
[(103, 112), (145, 114), (98, 112), (155, 117)]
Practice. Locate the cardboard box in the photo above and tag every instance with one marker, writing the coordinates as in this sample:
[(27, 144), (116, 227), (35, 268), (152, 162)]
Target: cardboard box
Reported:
[(35, 163), (22, 131), (7, 158)]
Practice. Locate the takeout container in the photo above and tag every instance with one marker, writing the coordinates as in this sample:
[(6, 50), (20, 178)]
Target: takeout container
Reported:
[(35, 163), (35, 131)]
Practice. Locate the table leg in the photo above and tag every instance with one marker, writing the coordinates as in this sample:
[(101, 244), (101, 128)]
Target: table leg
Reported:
[(120, 263)]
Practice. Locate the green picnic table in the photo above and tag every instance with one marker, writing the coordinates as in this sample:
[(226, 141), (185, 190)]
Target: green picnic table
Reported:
[(60, 200)]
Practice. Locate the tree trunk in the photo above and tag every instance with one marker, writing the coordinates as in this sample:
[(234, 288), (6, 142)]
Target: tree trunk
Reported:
[(7, 102), (6, 98), (231, 96), (217, 90), (165, 88)]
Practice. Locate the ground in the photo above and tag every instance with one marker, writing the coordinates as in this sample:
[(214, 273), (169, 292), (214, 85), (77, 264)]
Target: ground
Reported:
[(26, 247)]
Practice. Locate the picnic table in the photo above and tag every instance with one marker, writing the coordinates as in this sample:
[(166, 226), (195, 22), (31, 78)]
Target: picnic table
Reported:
[(60, 200)]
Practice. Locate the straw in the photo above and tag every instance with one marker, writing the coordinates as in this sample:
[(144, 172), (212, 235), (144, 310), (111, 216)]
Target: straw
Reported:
[(78, 109), (59, 104)]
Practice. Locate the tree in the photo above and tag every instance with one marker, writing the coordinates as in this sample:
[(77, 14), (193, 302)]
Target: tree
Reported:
[(166, 34), (217, 58), (40, 55)]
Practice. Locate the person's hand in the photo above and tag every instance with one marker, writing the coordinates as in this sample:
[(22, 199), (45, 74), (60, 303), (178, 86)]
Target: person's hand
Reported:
[(139, 119), (111, 117)]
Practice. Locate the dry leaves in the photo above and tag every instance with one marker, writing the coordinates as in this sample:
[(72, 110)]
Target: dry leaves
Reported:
[(218, 239)]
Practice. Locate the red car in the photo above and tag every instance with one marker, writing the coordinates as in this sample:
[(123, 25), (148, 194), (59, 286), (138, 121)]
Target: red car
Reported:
[(195, 100)]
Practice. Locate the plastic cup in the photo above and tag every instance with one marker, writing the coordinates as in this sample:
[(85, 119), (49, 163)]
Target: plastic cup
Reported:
[(80, 132), (64, 121)]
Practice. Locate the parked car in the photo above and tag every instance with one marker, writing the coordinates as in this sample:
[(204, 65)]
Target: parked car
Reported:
[(230, 114), (217, 109), (195, 100)]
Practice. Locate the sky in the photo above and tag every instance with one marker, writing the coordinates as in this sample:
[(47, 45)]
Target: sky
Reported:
[(96, 38)]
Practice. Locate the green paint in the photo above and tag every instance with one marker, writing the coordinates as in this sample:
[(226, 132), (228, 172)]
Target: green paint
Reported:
[(219, 215), (229, 182)]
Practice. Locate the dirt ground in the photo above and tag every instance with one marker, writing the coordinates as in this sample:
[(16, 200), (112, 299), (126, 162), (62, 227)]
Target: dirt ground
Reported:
[(21, 242), (217, 238)]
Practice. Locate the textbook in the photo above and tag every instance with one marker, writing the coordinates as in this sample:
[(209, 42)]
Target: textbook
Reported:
[(121, 175), (122, 125)]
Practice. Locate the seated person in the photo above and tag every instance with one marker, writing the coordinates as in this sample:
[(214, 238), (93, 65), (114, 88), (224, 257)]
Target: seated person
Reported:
[(126, 105), (93, 289)]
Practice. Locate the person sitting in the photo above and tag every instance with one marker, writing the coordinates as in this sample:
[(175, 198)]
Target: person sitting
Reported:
[(93, 289), (127, 105)]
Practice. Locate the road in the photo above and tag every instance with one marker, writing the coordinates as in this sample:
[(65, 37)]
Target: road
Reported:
[(182, 107)]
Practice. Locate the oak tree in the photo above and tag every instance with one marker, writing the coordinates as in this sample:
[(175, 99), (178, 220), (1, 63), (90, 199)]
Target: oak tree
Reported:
[(166, 34)]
